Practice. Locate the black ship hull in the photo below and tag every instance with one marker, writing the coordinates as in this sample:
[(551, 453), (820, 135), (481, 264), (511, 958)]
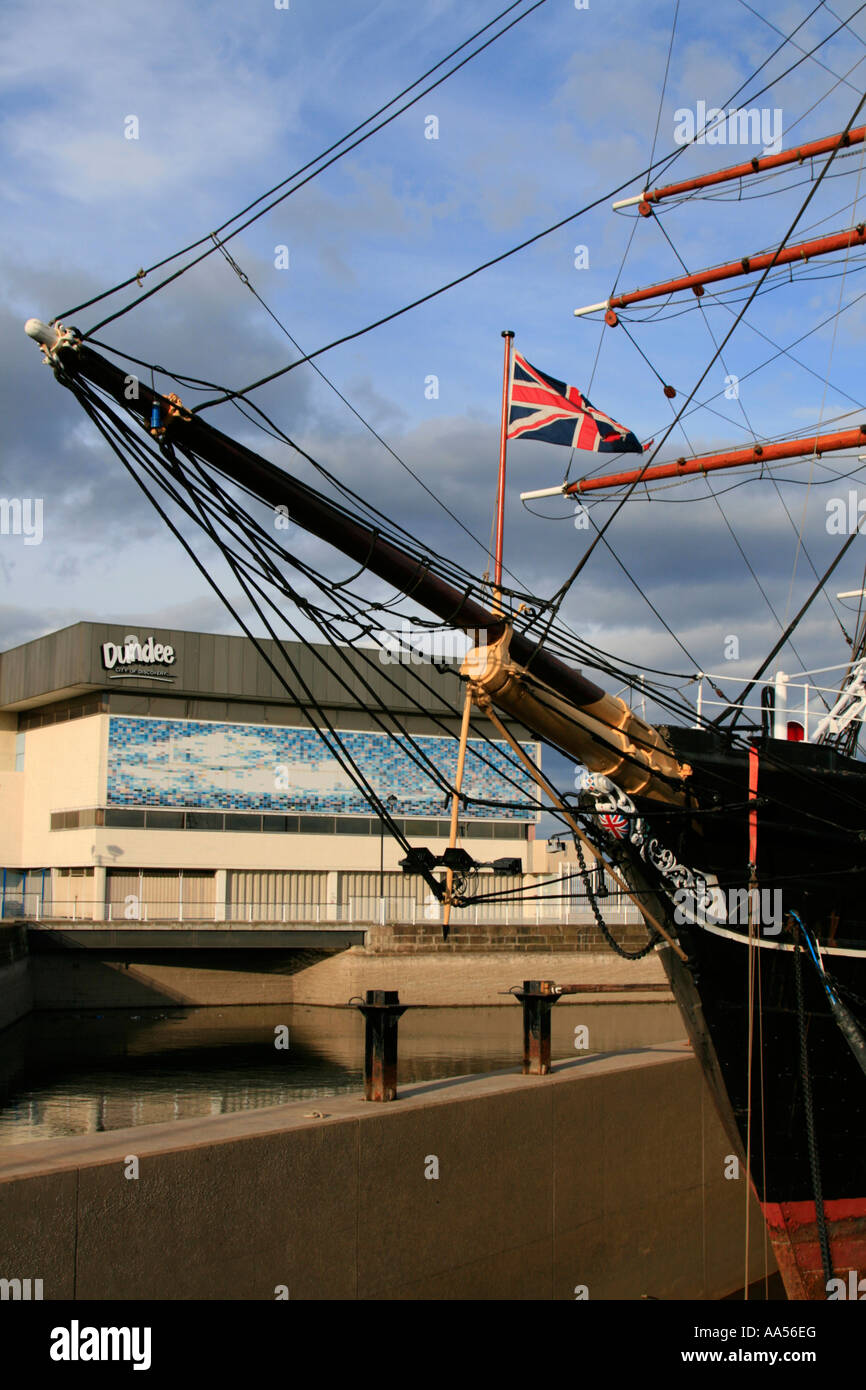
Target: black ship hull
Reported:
[(787, 1082)]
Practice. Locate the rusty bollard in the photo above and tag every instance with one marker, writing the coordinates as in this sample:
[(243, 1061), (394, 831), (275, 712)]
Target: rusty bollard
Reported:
[(538, 998), (382, 1010)]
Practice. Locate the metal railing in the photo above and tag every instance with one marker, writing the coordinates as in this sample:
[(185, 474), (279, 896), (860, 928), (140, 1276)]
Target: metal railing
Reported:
[(358, 911), (793, 698)]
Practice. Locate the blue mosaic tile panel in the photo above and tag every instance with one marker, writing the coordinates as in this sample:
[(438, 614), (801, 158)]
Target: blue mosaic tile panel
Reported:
[(259, 767)]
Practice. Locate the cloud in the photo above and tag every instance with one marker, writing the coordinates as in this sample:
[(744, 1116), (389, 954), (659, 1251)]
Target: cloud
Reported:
[(201, 107), (226, 107)]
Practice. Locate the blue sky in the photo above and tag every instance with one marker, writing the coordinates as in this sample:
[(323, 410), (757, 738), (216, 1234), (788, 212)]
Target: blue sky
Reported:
[(230, 99)]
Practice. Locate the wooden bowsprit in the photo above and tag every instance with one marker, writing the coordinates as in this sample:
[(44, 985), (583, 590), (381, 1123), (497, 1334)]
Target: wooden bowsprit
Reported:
[(455, 809), (485, 705)]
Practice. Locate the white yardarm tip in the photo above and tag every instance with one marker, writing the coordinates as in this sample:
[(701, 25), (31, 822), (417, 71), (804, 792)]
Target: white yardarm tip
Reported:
[(41, 332), (629, 202), (591, 308), (543, 492)]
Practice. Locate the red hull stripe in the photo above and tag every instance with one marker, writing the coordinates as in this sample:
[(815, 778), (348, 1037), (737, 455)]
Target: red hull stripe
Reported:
[(801, 1213), (794, 1234)]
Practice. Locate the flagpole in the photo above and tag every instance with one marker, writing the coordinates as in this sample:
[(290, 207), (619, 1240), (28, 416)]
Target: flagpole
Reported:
[(508, 335)]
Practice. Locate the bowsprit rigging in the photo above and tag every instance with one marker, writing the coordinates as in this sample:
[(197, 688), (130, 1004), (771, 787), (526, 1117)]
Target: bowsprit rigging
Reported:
[(704, 822), (587, 723)]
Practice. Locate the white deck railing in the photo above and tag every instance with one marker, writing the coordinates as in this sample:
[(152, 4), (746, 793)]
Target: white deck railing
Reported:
[(794, 698)]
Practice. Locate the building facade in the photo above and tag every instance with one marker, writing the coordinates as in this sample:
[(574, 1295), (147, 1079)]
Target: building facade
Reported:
[(170, 775)]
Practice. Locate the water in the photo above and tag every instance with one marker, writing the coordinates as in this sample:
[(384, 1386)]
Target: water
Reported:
[(78, 1072)]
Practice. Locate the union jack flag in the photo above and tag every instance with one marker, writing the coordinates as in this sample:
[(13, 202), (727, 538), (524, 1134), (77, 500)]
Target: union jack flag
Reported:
[(540, 407), (615, 824)]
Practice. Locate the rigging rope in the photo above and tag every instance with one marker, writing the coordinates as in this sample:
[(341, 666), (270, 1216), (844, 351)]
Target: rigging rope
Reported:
[(662, 695), (710, 488), (411, 747), (559, 596), (823, 403), (832, 71), (666, 161), (136, 278)]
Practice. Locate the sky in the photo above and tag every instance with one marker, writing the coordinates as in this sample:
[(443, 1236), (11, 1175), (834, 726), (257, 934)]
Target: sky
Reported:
[(225, 101)]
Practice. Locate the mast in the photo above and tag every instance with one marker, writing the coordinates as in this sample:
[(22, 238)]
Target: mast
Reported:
[(747, 265), (500, 493), (529, 684), (796, 155), (816, 445)]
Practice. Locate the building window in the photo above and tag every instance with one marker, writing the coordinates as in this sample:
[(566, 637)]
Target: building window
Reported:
[(163, 820), (421, 827), (119, 817), (354, 825), (513, 830), (241, 822), (72, 820), (60, 712), (316, 825), (131, 818), (204, 820)]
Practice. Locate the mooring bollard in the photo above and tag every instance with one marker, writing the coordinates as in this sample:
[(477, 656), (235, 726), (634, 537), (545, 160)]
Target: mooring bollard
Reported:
[(381, 1009), (538, 998)]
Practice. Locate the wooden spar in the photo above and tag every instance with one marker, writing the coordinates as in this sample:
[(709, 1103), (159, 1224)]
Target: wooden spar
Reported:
[(815, 445), (608, 737), (529, 684), (314, 513), (484, 704), (455, 809), (821, 246), (757, 165)]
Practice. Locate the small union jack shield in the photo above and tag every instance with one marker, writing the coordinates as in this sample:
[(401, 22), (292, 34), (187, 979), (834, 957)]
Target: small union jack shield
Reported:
[(615, 824)]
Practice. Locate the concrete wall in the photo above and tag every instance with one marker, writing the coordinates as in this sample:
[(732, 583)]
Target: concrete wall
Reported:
[(16, 986), (607, 1174), (114, 980), (444, 978), (140, 979), (411, 938), (64, 769), (119, 846), (12, 804)]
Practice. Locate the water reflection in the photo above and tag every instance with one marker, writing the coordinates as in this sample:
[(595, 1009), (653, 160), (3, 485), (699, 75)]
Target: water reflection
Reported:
[(76, 1072)]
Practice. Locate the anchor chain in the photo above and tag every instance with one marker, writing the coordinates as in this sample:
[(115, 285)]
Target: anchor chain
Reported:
[(600, 922)]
